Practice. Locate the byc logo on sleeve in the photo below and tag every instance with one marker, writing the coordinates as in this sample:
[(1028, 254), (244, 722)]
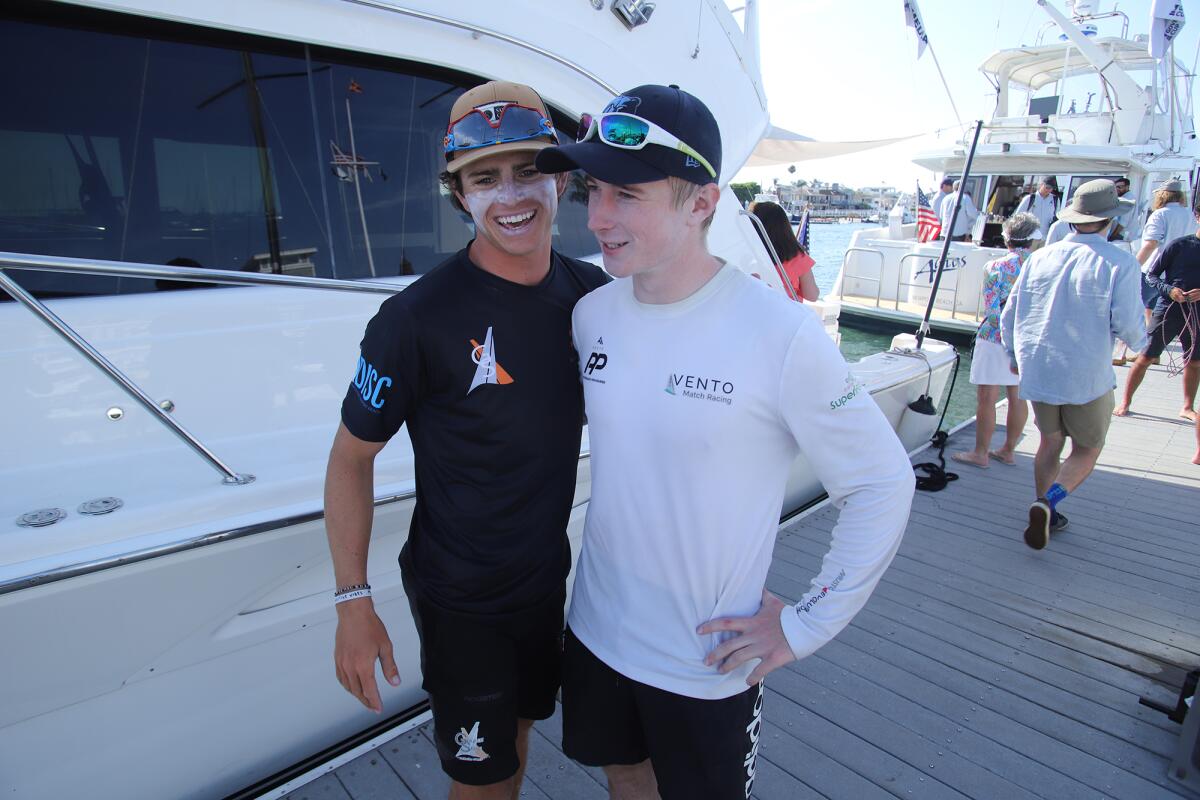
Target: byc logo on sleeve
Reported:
[(370, 384)]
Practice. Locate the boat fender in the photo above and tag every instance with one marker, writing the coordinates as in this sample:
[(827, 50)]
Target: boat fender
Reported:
[(919, 420)]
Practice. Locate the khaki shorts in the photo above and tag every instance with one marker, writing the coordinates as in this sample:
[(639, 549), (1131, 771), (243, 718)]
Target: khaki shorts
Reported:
[(1086, 424)]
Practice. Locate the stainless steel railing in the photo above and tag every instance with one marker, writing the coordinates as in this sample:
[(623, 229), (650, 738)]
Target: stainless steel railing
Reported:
[(762, 232), (194, 275), (877, 281)]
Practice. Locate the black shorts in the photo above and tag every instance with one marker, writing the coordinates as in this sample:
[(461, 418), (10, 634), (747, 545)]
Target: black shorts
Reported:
[(698, 748), (483, 673), (1167, 324)]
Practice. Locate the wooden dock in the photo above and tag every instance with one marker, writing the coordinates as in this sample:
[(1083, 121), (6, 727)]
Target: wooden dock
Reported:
[(979, 668)]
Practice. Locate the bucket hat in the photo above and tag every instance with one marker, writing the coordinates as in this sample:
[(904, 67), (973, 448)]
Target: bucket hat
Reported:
[(1095, 201)]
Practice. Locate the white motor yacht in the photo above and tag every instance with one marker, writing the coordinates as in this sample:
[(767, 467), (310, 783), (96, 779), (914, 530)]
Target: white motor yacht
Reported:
[(203, 203), (1133, 119)]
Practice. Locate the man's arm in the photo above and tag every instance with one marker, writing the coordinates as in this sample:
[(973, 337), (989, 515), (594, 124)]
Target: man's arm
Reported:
[(1157, 276), (1152, 236), (1127, 314), (857, 457), (361, 637)]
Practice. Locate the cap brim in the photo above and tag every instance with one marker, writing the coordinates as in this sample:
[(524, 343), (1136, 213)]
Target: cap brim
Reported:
[(465, 157), (1103, 215), (601, 161)]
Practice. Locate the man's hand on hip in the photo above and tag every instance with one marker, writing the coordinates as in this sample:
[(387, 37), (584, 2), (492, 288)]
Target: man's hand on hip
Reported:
[(362, 639), (760, 636)]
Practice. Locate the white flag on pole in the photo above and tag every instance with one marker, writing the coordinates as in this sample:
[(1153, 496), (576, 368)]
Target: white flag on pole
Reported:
[(1166, 20), (912, 18)]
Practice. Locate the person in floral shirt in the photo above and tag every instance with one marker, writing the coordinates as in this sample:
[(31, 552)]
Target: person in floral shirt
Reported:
[(990, 363)]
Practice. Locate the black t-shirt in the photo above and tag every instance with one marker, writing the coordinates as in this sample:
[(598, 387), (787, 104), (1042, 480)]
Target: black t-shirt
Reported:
[(1178, 266), (484, 373)]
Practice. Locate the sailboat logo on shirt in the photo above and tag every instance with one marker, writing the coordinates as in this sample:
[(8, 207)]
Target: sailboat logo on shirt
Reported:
[(487, 370)]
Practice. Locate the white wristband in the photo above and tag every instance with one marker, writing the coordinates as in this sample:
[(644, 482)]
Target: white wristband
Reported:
[(355, 595)]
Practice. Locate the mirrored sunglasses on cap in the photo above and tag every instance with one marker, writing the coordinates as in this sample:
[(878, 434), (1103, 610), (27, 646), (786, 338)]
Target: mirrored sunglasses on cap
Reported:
[(494, 124), (630, 132)]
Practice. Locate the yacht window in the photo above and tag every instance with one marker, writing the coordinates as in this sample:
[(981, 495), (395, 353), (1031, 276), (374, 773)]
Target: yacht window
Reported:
[(974, 186), (137, 140), (1080, 180), (1007, 191)]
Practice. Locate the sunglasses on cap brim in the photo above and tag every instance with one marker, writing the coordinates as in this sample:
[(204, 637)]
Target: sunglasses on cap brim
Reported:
[(630, 132), (482, 127)]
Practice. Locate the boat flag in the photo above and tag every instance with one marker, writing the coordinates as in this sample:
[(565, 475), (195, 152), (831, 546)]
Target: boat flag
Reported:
[(928, 225), (1166, 20), (913, 19), (355, 87)]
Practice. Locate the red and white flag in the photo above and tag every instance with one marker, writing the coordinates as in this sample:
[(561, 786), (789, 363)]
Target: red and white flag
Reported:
[(928, 225)]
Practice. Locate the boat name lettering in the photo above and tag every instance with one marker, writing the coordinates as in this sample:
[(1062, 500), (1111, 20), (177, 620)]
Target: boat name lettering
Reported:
[(930, 268), (370, 383)]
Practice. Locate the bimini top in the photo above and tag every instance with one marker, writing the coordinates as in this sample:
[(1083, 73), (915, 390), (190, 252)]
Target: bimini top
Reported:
[(1034, 67)]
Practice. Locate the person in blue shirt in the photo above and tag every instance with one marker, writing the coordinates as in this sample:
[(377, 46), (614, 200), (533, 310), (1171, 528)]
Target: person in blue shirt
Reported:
[(1069, 301)]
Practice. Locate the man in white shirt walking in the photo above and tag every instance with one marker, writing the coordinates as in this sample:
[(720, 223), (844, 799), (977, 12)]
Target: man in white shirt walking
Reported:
[(702, 386), (1069, 301)]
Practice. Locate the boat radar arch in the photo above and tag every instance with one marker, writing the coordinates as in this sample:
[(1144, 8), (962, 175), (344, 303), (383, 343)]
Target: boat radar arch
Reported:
[(1132, 104)]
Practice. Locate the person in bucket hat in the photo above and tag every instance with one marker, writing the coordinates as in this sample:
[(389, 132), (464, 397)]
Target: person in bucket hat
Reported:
[(476, 358), (1069, 301), (670, 630)]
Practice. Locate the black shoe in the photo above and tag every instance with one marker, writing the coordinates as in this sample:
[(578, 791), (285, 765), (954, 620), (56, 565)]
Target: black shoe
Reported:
[(1038, 532), (1058, 521)]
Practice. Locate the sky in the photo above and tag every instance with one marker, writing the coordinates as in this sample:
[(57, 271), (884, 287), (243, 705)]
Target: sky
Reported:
[(844, 71)]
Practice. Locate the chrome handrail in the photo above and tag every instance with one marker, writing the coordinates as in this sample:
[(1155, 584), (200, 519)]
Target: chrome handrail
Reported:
[(72, 338), (126, 269), (878, 281), (762, 232), (46, 263)]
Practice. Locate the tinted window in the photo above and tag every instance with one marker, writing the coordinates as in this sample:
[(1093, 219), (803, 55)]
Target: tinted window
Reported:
[(148, 142)]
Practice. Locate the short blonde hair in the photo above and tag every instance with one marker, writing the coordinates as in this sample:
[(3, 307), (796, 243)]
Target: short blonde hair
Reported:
[(682, 191)]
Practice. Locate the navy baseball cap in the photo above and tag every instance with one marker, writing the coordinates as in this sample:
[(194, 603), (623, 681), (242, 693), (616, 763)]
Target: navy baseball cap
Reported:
[(670, 108)]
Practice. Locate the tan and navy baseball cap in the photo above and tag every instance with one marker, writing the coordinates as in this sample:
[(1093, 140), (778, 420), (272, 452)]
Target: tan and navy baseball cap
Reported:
[(497, 117)]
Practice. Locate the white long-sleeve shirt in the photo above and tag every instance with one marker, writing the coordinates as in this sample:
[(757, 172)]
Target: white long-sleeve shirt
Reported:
[(696, 412)]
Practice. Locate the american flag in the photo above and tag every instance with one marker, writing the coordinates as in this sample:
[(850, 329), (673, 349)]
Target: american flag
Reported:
[(802, 231), (928, 225)]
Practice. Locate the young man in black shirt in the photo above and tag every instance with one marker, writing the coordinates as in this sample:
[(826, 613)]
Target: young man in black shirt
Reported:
[(1176, 277), (476, 357)]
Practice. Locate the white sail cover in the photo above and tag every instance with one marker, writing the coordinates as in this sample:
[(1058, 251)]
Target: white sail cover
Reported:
[(781, 146)]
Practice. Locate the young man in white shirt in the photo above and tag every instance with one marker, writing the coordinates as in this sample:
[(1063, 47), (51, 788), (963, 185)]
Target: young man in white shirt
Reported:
[(702, 385)]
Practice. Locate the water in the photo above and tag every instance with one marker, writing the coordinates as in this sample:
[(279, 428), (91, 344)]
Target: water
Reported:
[(828, 244)]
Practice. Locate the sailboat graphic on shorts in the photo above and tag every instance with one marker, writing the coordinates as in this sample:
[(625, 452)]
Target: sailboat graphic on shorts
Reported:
[(468, 744)]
